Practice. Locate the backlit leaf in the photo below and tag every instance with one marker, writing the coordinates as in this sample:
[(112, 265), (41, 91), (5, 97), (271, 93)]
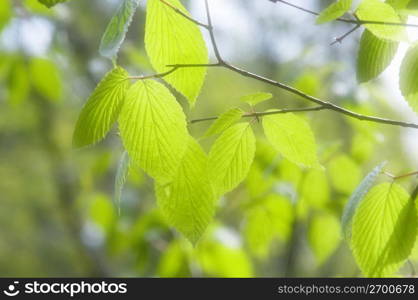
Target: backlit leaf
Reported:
[(153, 129), (102, 108), (121, 175), (408, 77), (254, 99), (50, 3), (344, 173), (172, 39), (224, 121), (46, 78), (334, 11)]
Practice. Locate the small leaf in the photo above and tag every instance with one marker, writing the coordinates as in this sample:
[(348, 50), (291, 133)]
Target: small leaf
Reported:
[(50, 3), (384, 230), (292, 137), (231, 157), (408, 77), (374, 56), (376, 10), (117, 28), (356, 198), (121, 175), (188, 202), (153, 129), (172, 39), (224, 122), (46, 78), (334, 11), (102, 108), (254, 99)]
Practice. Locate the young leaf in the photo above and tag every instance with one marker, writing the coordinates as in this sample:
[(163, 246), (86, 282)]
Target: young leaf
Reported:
[(116, 30), (376, 10), (374, 56), (254, 99), (121, 175), (384, 230), (224, 121), (50, 3), (231, 157), (292, 137), (153, 129), (188, 202), (102, 108), (408, 77), (172, 39), (46, 78), (324, 236), (334, 11), (356, 198)]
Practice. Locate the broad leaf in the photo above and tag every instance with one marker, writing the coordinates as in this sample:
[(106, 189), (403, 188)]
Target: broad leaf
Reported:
[(254, 99), (356, 198), (334, 11), (374, 56), (50, 3), (121, 175), (117, 28), (172, 39), (102, 108), (384, 230), (292, 137), (231, 157), (188, 202), (153, 129), (408, 77), (224, 121), (46, 78), (376, 10)]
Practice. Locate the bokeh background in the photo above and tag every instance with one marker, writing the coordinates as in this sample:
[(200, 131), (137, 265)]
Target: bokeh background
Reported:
[(57, 210)]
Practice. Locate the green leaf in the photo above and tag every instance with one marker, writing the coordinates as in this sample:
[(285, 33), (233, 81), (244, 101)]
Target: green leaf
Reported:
[(384, 230), (334, 11), (374, 56), (117, 28), (345, 174), (292, 137), (324, 236), (6, 12), (376, 10), (231, 157), (172, 39), (224, 121), (45, 78), (50, 3), (254, 99), (188, 202), (356, 198), (153, 129), (102, 108), (408, 77), (121, 175), (315, 188)]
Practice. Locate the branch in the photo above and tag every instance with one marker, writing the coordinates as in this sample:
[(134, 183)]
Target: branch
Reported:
[(183, 14), (344, 20), (341, 38)]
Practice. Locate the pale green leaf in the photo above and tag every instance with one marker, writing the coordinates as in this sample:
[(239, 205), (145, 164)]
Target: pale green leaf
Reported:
[(408, 77), (121, 175), (376, 10), (45, 78), (231, 157), (293, 138), (254, 99), (102, 108), (334, 11), (117, 28), (224, 121), (384, 230), (6, 12), (153, 129), (345, 174), (356, 198), (50, 3), (315, 188), (324, 236), (374, 56), (172, 39), (188, 201)]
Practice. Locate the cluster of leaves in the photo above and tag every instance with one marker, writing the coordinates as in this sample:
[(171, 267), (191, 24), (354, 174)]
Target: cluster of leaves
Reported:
[(379, 223)]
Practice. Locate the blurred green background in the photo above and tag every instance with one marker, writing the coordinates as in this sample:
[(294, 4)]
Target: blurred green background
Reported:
[(57, 214)]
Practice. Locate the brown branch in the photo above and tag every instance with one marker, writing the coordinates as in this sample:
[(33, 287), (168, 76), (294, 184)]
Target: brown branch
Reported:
[(341, 38)]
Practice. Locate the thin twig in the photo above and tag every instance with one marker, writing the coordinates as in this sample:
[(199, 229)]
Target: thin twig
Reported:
[(212, 34), (341, 38), (184, 14)]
